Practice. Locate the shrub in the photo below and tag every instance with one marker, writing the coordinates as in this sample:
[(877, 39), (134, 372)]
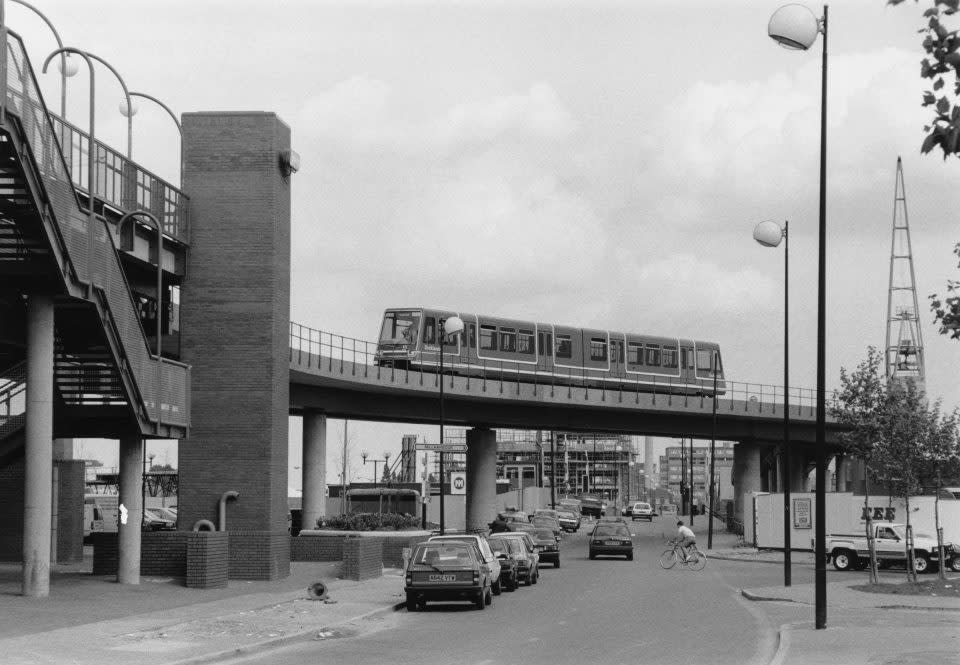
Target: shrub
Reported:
[(371, 522)]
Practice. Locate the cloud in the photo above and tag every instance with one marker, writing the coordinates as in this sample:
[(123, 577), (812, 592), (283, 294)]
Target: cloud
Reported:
[(365, 113)]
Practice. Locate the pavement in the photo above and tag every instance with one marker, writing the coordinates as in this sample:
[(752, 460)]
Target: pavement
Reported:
[(161, 622)]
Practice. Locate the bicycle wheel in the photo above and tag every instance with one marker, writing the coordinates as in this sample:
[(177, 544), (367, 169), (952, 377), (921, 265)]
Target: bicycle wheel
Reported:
[(697, 560), (668, 559)]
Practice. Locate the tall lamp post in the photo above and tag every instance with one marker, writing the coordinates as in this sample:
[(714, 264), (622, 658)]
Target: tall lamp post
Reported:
[(769, 234), (68, 67), (386, 458), (450, 326), (796, 27), (130, 111)]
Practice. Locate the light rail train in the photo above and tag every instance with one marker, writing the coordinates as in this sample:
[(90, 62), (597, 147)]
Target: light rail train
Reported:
[(549, 353)]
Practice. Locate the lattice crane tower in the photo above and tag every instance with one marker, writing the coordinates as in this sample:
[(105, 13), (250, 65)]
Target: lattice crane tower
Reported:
[(904, 343)]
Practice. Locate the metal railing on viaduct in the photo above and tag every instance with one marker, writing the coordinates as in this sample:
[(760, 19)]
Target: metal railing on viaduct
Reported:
[(337, 375)]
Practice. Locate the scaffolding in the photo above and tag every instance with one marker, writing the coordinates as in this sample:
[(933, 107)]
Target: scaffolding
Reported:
[(904, 358)]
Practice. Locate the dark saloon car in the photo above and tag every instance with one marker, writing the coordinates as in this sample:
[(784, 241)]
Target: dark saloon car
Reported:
[(447, 570), (592, 507), (611, 538), (528, 561), (548, 544), (508, 551), (545, 522)]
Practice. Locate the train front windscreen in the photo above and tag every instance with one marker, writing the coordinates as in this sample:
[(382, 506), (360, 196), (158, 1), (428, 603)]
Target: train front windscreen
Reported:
[(399, 330)]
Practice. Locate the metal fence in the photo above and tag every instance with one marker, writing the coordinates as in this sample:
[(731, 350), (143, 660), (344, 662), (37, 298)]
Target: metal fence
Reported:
[(331, 352)]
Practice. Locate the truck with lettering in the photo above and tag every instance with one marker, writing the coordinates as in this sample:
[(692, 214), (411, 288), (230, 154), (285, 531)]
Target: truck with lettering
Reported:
[(849, 551)]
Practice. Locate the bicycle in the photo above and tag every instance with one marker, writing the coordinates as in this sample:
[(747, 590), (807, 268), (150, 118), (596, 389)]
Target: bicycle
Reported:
[(694, 559)]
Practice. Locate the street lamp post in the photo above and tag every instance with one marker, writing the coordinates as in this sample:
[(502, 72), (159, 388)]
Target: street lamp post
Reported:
[(132, 110), (67, 66), (630, 466), (127, 101), (796, 27), (450, 326), (769, 234), (713, 449)]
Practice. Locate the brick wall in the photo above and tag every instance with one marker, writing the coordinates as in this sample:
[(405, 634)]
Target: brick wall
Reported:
[(362, 558), (70, 510), (105, 553), (235, 311), (11, 517), (208, 559), (259, 555), (317, 548), (164, 553)]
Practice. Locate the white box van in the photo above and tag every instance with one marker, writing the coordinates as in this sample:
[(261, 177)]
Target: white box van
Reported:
[(100, 513)]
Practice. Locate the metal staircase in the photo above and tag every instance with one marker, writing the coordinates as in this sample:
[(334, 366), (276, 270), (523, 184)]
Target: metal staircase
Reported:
[(105, 377)]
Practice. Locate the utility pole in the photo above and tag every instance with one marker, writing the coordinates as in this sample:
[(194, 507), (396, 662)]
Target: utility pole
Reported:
[(343, 488), (553, 470)]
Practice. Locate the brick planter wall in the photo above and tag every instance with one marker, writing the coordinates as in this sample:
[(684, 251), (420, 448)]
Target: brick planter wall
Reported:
[(259, 555), (105, 553), (208, 559), (164, 553), (362, 558), (327, 545)]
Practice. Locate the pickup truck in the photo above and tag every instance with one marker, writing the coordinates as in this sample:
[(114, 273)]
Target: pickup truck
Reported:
[(849, 550)]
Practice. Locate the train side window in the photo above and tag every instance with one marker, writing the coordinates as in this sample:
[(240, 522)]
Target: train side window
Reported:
[(598, 349), (564, 348), (686, 358), (547, 343), (508, 339), (616, 352), (653, 356), (670, 356), (540, 346), (472, 335), (703, 360), (525, 342), (430, 330), (488, 338), (634, 353)]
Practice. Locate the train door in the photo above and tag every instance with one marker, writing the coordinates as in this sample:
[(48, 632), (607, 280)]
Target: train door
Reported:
[(687, 363), (544, 349)]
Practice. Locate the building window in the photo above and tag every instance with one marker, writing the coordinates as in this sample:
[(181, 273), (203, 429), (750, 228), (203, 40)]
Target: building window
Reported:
[(488, 338), (564, 347)]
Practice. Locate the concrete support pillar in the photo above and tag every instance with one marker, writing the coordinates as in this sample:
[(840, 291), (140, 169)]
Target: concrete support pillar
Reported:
[(314, 469), (481, 478), (798, 471), (746, 475), (38, 448), (841, 472), (131, 497)]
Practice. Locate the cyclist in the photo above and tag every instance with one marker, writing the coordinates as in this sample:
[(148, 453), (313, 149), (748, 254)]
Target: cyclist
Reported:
[(687, 538)]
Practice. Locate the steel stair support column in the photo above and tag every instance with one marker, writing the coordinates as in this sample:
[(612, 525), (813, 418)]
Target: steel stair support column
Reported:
[(481, 470), (131, 497), (38, 448), (314, 469)]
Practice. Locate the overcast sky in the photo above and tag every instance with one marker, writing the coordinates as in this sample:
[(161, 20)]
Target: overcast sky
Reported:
[(598, 164)]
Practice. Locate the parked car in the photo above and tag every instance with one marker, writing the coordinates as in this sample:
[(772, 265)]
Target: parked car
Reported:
[(528, 562), (153, 522), (547, 512), (549, 545), (508, 552), (569, 521), (516, 516), (447, 570), (485, 552), (611, 538), (545, 522), (641, 511)]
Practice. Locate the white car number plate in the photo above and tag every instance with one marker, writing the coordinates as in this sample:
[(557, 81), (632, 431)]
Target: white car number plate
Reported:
[(442, 578), (613, 542)]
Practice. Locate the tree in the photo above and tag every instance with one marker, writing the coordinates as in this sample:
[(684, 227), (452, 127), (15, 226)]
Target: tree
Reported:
[(942, 47), (946, 311), (941, 457), (858, 406), (905, 432)]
